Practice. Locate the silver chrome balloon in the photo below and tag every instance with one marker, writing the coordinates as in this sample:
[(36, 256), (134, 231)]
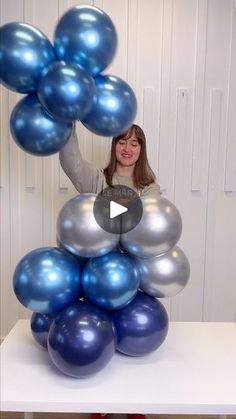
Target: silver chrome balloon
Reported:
[(78, 231), (165, 275), (157, 232)]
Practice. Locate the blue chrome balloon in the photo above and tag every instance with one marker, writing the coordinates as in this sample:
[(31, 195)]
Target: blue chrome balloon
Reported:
[(47, 280), (40, 325), (85, 35), (24, 52), (78, 231), (35, 131), (81, 340), (66, 91), (110, 281), (114, 107), (141, 326)]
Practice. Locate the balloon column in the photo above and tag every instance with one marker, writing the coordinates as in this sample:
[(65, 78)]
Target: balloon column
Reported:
[(97, 292), (63, 80)]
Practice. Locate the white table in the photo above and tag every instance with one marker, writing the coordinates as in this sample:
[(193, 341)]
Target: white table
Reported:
[(193, 372)]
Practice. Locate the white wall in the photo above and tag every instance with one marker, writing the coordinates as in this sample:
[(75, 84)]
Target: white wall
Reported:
[(180, 58)]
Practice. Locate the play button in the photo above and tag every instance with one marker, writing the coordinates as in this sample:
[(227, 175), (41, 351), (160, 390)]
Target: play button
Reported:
[(118, 209)]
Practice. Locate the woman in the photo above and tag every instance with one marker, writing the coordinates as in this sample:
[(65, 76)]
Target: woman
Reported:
[(128, 165)]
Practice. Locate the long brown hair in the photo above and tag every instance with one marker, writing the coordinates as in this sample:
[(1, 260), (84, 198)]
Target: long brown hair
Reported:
[(143, 174)]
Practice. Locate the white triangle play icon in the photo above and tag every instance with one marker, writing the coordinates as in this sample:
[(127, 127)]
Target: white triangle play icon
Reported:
[(116, 209)]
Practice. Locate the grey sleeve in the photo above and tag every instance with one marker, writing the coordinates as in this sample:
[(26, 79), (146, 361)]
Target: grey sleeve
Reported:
[(151, 190), (82, 174)]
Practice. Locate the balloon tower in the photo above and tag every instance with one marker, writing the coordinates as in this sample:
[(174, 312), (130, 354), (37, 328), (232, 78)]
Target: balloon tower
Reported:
[(97, 292)]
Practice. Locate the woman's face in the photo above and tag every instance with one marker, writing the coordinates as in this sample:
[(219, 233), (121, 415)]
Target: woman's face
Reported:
[(128, 150)]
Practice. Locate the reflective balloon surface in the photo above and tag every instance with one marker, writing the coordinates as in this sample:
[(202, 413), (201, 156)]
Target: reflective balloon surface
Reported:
[(24, 52), (40, 325), (157, 232), (81, 340), (111, 281), (114, 107), (46, 280), (66, 91), (165, 275), (78, 230), (35, 131), (82, 260), (86, 36), (141, 326)]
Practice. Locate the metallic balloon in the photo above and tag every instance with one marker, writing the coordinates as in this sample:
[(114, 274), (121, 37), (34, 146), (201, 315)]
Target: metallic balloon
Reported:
[(165, 275), (35, 131), (24, 52), (46, 280), (81, 340), (82, 260), (78, 231), (66, 91), (85, 35), (40, 325), (141, 326), (157, 232), (114, 107), (110, 281)]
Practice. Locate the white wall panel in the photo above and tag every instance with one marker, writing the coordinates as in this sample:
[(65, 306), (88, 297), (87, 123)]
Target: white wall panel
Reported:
[(180, 58), (11, 226), (230, 163), (200, 46)]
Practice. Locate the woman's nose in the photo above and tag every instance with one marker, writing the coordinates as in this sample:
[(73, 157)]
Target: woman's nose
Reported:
[(127, 146)]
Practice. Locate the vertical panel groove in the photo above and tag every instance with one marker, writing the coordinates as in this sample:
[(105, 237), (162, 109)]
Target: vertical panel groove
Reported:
[(30, 171), (230, 153), (199, 91), (62, 178), (132, 43), (180, 133), (166, 59), (148, 113)]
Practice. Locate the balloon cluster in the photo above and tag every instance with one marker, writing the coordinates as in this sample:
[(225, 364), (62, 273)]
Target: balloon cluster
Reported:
[(64, 81), (99, 292)]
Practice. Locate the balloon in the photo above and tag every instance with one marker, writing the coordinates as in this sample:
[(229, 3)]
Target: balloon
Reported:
[(78, 230), (114, 107), (66, 91), (110, 281), (81, 340), (157, 232), (24, 52), (82, 261), (85, 35), (141, 326), (35, 131), (46, 280), (165, 275), (40, 325)]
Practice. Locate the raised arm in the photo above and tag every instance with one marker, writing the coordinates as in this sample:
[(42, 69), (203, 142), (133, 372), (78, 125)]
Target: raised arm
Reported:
[(82, 174)]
